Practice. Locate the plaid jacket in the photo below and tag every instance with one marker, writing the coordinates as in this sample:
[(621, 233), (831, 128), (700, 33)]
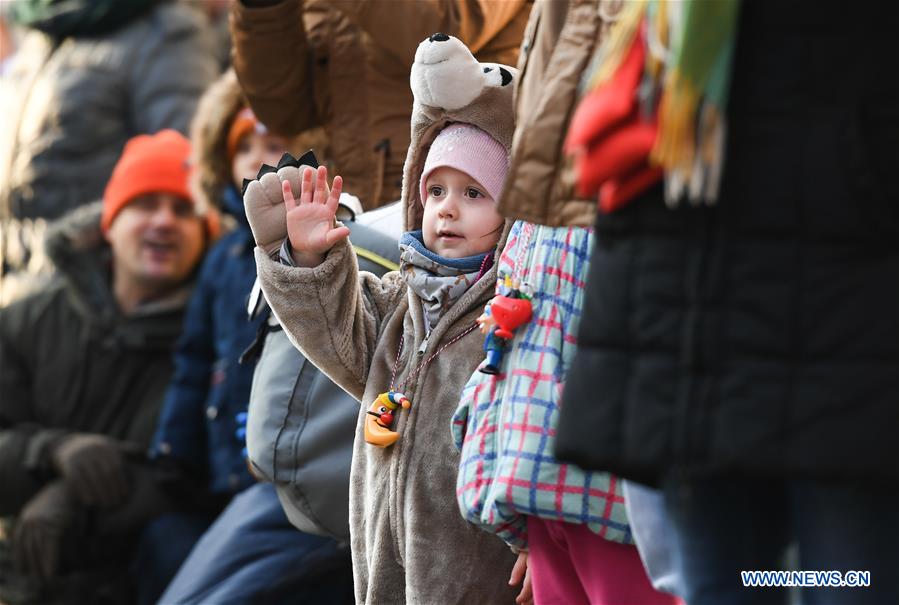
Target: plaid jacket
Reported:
[(505, 425)]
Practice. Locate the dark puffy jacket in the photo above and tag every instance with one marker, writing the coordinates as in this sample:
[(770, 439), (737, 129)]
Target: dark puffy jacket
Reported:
[(70, 362), (198, 421), (760, 335), (71, 105)]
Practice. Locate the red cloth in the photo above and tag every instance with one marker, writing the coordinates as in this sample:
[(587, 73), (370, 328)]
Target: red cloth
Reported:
[(571, 564), (611, 140)]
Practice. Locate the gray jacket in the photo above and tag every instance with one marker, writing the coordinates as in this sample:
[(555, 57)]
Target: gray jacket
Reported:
[(69, 106)]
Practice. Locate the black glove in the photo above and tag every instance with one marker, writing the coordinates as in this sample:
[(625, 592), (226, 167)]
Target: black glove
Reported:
[(93, 468), (37, 539), (147, 499)]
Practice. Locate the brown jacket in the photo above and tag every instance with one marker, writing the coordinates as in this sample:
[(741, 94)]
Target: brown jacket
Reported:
[(409, 542), (345, 64), (558, 44)]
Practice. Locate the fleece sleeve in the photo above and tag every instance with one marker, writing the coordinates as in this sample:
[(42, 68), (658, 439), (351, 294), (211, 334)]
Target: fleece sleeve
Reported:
[(332, 312)]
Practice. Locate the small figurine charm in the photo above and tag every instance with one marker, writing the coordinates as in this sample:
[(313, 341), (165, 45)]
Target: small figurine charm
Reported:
[(380, 418), (505, 312), (493, 346)]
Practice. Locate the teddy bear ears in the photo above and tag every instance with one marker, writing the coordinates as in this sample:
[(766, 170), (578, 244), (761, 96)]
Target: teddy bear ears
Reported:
[(445, 74)]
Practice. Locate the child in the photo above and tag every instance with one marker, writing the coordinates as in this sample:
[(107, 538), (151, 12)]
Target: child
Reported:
[(196, 426), (570, 525), (408, 337), (196, 430)]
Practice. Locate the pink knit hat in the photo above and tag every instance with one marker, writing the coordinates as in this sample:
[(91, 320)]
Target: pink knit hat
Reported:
[(471, 150)]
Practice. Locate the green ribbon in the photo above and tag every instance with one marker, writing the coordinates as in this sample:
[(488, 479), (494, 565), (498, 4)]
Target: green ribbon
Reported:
[(705, 47)]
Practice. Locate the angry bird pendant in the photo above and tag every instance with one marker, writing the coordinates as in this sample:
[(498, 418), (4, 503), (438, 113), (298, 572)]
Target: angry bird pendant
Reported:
[(380, 416), (508, 310)]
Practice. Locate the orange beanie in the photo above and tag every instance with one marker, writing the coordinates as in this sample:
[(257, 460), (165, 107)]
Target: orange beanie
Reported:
[(244, 123), (158, 163)]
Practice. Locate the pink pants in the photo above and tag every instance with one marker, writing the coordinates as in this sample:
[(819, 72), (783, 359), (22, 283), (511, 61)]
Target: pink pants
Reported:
[(571, 565)]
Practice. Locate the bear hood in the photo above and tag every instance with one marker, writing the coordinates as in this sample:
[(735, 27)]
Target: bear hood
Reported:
[(449, 85)]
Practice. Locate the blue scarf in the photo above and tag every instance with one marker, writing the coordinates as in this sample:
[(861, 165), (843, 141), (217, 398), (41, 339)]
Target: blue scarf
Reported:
[(438, 281)]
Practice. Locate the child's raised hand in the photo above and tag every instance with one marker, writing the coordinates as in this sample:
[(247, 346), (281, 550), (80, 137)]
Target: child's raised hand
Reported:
[(310, 218)]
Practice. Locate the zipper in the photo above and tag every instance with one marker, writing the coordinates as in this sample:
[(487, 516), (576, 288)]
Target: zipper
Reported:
[(422, 348), (398, 478)]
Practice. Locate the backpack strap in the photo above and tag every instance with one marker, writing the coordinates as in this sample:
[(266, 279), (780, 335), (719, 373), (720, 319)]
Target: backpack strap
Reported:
[(377, 252)]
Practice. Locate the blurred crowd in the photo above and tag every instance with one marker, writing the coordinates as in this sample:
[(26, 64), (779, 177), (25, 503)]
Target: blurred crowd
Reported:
[(447, 301)]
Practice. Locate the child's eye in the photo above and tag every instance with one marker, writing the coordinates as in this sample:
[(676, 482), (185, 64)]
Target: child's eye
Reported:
[(473, 193), (435, 190)]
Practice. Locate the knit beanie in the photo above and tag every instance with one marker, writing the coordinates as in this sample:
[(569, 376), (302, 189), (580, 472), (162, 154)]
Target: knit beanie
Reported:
[(470, 150), (158, 163), (244, 123)]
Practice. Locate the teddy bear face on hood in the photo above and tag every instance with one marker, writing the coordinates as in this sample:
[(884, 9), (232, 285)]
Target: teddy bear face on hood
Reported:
[(449, 85)]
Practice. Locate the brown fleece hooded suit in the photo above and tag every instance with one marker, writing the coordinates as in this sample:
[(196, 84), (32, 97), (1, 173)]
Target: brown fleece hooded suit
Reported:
[(409, 543)]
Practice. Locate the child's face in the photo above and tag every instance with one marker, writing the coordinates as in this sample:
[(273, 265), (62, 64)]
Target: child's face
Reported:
[(253, 151), (460, 216)]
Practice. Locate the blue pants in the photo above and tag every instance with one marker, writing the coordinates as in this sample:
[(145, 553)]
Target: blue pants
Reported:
[(725, 526), (252, 554), (163, 547)]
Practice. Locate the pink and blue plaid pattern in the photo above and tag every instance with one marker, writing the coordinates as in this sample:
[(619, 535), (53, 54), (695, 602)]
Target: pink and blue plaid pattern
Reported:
[(506, 424)]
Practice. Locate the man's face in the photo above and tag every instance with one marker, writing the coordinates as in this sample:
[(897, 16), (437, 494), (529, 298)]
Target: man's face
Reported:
[(156, 241), (460, 217)]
